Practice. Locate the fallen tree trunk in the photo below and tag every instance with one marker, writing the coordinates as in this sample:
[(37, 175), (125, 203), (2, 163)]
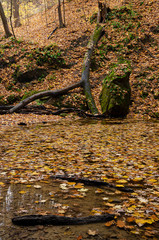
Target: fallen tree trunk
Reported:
[(50, 93), (84, 82), (32, 220), (90, 182), (86, 66)]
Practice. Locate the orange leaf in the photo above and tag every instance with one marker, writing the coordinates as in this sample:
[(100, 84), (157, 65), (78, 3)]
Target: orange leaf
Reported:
[(120, 224), (130, 219), (79, 237), (110, 223)]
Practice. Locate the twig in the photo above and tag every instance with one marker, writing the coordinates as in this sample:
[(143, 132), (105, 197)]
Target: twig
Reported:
[(52, 32)]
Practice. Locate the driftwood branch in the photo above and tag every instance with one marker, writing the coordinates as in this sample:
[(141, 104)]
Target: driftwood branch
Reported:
[(84, 82), (32, 220), (89, 182)]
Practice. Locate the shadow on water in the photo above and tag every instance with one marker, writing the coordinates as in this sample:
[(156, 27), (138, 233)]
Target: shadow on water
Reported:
[(107, 149)]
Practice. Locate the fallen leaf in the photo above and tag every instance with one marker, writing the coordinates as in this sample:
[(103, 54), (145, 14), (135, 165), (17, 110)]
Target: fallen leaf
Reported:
[(2, 184), (92, 232), (37, 186), (130, 219), (120, 224), (43, 201), (137, 179), (22, 192), (79, 237), (122, 181), (110, 223), (140, 222), (99, 191), (142, 200)]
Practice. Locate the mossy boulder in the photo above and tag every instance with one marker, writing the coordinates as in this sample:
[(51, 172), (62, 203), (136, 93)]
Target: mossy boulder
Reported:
[(115, 95)]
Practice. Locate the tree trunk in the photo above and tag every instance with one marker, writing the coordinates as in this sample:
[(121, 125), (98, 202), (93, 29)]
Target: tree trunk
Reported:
[(4, 21), (16, 13), (64, 19), (102, 12), (61, 24)]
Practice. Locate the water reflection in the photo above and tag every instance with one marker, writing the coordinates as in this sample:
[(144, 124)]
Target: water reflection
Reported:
[(9, 199)]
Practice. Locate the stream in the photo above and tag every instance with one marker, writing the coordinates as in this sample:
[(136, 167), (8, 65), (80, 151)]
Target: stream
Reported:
[(121, 152)]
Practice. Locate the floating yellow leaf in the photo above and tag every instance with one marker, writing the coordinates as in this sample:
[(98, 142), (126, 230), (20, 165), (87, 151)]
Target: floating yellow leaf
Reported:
[(137, 179), (99, 191), (152, 180), (132, 208), (140, 221), (2, 184), (78, 185), (150, 221), (22, 192), (119, 185), (122, 181), (71, 183)]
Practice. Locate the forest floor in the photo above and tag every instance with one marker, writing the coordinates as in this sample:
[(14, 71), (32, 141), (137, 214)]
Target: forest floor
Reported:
[(131, 33)]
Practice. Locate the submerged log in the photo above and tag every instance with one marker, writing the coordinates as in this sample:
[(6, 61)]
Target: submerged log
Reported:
[(90, 182), (32, 220)]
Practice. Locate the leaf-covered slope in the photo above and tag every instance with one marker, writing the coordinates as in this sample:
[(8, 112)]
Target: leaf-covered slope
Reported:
[(131, 32)]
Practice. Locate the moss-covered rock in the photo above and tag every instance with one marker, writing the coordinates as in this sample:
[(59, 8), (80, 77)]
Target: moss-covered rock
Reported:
[(116, 92)]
